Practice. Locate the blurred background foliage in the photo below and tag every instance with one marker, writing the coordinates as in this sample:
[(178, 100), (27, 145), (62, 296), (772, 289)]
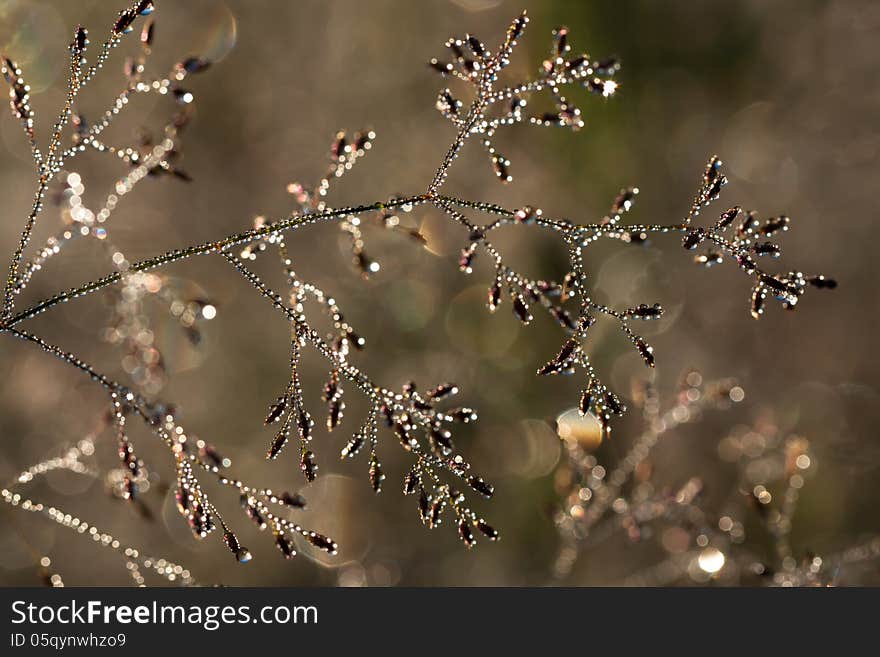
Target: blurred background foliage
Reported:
[(787, 93)]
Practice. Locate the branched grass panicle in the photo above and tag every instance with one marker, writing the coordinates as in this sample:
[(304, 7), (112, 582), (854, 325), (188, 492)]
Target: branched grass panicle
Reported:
[(418, 420)]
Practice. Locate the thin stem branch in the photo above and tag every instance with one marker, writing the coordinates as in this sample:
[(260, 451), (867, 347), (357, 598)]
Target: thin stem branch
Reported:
[(217, 246)]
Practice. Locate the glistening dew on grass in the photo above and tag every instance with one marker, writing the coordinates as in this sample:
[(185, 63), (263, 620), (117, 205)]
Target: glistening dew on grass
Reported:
[(439, 478)]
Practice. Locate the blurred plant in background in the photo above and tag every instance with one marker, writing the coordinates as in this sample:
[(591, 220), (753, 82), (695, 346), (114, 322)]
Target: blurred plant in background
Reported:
[(699, 544)]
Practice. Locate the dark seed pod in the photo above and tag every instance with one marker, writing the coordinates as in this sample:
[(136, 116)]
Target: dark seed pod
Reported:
[(355, 340), (424, 504), (713, 170), (569, 284), (285, 545), (466, 534), (476, 46), (441, 442), (476, 234), (714, 189), (481, 486), (334, 415), (421, 405), (231, 541), (757, 303), (596, 86), (278, 443), (363, 140), (128, 457), (767, 249), (576, 64), (709, 258), (441, 67), (646, 351), (304, 423), (410, 482), (182, 96), (19, 94), (145, 7), (613, 404), (586, 402), (466, 260), (501, 165), (294, 500), (560, 38), (447, 104), (822, 282), (494, 296), (321, 542), (338, 149), (308, 465), (252, 511), (435, 513), (560, 362), (10, 71), (748, 224), (624, 201), (123, 22), (549, 288), (387, 415), (376, 474), (552, 367), (490, 532), (201, 521), (276, 410), (354, 446), (455, 46), (774, 283), (643, 311), (746, 263), (571, 116), (331, 388), (209, 453), (565, 320), (796, 279), (516, 28), (521, 310), (693, 239), (183, 498), (443, 390), (568, 349), (407, 441), (194, 64), (585, 322), (727, 218), (130, 488), (775, 225), (549, 118), (80, 40), (463, 415), (608, 66)]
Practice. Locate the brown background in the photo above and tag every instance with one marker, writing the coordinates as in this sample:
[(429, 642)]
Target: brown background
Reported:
[(787, 93)]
